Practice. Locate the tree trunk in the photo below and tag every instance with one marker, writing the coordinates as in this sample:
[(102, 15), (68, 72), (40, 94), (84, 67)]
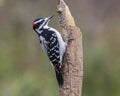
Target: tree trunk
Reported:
[(73, 58)]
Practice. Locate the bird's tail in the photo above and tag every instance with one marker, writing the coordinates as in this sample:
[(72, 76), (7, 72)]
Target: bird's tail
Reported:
[(59, 77)]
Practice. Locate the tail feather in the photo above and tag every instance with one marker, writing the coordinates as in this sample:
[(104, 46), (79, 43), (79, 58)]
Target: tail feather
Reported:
[(59, 78)]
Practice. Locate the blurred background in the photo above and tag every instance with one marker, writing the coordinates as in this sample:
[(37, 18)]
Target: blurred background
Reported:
[(24, 68)]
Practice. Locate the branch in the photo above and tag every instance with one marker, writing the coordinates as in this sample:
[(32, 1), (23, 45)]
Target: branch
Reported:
[(73, 58)]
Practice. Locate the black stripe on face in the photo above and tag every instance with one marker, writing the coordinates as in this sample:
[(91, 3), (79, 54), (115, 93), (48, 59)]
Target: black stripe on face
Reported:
[(37, 19), (38, 22)]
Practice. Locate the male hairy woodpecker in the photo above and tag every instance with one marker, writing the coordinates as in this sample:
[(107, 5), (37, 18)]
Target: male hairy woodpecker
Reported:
[(52, 43)]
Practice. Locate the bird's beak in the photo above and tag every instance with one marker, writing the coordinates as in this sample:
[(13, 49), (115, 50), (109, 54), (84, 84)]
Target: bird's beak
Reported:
[(48, 18)]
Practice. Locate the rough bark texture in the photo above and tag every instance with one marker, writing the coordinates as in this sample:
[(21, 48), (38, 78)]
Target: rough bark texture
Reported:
[(73, 58)]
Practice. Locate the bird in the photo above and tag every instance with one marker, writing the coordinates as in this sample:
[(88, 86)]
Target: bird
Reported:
[(52, 44)]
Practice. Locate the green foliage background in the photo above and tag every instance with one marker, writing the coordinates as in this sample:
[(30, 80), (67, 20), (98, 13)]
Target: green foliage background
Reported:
[(25, 69)]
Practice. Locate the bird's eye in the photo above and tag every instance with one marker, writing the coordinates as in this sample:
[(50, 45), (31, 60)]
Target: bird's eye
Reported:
[(41, 22)]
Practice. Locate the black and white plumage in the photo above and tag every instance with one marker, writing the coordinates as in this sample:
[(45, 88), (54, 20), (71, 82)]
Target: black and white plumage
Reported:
[(52, 43)]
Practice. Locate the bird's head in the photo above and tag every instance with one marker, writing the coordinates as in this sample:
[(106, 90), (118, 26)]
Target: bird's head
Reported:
[(39, 23)]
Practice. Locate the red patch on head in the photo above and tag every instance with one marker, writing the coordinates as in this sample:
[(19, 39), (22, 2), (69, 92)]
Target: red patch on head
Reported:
[(33, 24)]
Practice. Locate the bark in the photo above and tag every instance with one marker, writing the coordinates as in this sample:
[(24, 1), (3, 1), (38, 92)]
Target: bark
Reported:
[(73, 58)]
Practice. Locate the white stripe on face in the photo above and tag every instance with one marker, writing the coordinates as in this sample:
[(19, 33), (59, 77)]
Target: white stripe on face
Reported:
[(38, 21)]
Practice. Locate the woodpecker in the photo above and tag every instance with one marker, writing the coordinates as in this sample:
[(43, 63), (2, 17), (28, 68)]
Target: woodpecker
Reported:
[(52, 43)]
